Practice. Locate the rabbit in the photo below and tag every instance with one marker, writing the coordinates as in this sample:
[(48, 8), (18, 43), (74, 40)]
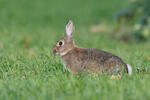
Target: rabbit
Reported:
[(78, 59)]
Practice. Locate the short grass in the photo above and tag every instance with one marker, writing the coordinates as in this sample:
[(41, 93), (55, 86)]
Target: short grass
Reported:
[(29, 71)]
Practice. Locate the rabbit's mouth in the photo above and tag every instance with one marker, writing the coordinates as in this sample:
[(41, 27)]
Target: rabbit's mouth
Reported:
[(54, 51)]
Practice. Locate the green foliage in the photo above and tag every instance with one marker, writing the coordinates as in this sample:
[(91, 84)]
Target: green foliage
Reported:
[(137, 16)]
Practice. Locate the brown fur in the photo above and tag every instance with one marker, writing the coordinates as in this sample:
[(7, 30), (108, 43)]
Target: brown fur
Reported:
[(93, 60), (78, 59)]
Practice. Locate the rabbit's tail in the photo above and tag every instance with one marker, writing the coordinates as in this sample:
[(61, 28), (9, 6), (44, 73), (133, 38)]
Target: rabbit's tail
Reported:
[(129, 69)]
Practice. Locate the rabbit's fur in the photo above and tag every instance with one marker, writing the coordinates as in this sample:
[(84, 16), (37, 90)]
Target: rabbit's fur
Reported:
[(78, 59)]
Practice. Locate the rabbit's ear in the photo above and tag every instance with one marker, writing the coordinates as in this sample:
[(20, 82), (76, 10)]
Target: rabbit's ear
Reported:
[(69, 29)]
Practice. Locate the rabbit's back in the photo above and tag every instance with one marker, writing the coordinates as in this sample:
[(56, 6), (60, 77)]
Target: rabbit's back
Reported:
[(93, 60), (104, 61)]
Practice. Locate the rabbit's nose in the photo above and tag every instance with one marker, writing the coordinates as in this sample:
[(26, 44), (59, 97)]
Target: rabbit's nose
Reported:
[(54, 50)]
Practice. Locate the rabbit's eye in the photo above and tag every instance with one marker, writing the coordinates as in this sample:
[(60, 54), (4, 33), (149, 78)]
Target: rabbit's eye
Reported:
[(60, 43)]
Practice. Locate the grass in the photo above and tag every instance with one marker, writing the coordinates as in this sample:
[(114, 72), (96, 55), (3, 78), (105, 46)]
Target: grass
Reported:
[(28, 70)]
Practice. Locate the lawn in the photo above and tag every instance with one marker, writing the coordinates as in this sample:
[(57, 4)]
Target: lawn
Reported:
[(29, 71)]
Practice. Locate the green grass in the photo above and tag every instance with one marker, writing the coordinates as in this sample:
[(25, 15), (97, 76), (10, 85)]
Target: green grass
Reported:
[(28, 70)]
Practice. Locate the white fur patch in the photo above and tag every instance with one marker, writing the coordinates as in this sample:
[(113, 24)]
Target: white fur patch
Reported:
[(129, 69), (64, 53)]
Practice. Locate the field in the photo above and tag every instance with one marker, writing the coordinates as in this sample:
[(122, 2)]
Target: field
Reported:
[(29, 70)]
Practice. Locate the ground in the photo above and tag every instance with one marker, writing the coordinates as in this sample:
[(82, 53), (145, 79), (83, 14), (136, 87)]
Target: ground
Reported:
[(29, 71)]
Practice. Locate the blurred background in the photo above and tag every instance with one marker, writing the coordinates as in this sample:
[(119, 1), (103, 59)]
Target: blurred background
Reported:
[(55, 13), (123, 20), (32, 23)]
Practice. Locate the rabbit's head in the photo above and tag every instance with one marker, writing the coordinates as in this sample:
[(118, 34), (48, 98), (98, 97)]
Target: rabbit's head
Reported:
[(64, 45)]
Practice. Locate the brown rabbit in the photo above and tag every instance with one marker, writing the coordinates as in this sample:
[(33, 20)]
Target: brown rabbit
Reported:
[(78, 59)]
